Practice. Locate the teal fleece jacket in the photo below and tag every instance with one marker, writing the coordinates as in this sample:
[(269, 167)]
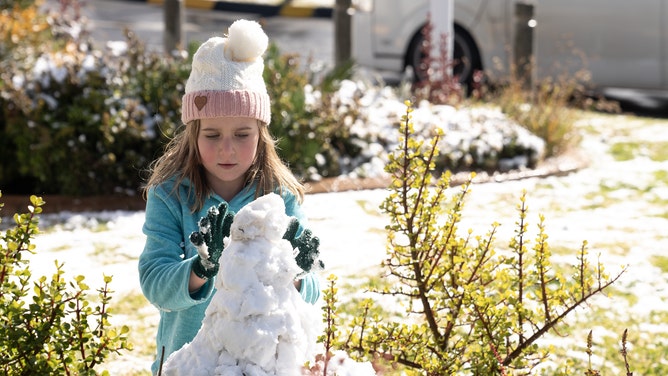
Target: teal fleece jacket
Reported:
[(166, 261)]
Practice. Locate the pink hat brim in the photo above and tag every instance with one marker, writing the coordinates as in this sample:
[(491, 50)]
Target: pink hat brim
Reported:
[(213, 103)]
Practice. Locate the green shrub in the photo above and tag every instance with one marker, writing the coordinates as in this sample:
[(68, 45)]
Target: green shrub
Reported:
[(469, 307), (55, 123), (312, 137), (145, 109), (50, 326), (80, 121), (16, 4), (15, 41)]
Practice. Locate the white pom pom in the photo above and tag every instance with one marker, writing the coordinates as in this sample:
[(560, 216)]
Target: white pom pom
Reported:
[(245, 41)]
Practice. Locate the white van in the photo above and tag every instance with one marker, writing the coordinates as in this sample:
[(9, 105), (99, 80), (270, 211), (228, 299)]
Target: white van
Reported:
[(622, 43)]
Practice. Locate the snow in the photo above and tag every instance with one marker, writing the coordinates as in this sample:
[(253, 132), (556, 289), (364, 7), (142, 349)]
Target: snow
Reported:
[(628, 231), (470, 134), (257, 323), (614, 205), (626, 224)]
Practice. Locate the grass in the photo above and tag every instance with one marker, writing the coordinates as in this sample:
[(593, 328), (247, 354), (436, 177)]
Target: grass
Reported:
[(660, 262), (646, 354), (138, 310), (648, 334), (659, 151), (606, 317), (617, 249), (110, 255), (626, 151), (92, 224), (135, 311), (609, 192), (661, 177), (369, 208), (569, 344), (61, 248)]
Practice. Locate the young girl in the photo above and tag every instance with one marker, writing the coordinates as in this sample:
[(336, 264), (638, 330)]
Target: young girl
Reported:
[(225, 155)]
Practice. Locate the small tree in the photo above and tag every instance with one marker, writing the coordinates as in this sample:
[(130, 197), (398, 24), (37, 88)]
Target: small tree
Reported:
[(469, 307), (50, 327)]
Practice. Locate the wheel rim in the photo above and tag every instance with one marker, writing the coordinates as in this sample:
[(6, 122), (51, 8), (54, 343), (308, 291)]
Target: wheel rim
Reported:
[(462, 55)]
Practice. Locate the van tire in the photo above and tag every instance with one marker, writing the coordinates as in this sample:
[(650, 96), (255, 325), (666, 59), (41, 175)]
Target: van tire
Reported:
[(465, 54)]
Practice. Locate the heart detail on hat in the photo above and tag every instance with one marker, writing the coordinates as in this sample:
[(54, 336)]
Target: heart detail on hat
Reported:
[(200, 102)]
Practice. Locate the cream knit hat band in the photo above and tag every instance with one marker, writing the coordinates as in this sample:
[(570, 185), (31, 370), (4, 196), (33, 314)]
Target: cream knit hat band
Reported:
[(226, 77)]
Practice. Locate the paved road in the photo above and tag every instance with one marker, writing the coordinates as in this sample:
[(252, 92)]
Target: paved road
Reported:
[(310, 37)]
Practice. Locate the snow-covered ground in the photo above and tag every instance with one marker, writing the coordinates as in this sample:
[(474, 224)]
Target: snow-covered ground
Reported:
[(619, 207)]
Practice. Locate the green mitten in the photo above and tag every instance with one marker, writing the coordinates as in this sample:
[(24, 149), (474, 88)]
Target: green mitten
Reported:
[(213, 228), (308, 245)]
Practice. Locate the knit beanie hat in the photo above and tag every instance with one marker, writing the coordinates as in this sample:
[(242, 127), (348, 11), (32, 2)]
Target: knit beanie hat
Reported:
[(226, 77)]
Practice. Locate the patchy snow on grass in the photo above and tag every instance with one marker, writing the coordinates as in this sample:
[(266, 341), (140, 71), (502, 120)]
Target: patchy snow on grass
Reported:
[(617, 206)]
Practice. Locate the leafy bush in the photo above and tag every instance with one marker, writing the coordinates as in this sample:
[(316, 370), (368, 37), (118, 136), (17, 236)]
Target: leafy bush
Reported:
[(14, 37), (312, 137), (49, 326), (469, 306), (80, 121)]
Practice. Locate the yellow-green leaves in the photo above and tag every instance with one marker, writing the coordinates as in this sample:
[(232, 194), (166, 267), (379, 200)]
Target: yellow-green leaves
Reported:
[(470, 308), (47, 325)]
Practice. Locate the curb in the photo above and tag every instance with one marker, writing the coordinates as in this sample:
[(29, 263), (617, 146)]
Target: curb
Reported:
[(284, 9), (557, 166)]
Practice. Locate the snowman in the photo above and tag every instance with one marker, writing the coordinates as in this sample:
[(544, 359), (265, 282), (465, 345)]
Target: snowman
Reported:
[(257, 324)]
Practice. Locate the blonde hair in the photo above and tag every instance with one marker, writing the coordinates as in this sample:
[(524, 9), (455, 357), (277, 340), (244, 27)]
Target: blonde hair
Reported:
[(181, 160)]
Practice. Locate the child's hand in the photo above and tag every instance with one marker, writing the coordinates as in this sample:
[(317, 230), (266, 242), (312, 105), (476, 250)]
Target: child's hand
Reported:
[(308, 246), (213, 228)]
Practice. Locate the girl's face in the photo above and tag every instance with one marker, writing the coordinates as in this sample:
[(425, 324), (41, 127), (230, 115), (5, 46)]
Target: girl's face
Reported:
[(227, 148)]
